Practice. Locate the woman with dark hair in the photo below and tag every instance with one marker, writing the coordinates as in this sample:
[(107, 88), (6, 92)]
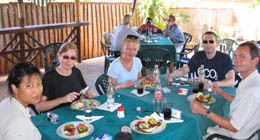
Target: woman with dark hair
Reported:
[(63, 84), (25, 87)]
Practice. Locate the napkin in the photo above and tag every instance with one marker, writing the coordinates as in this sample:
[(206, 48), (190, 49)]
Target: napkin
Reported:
[(158, 118), (139, 95), (88, 119), (105, 107)]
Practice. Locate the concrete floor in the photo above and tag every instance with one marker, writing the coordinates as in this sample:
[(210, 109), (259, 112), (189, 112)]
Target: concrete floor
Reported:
[(91, 70)]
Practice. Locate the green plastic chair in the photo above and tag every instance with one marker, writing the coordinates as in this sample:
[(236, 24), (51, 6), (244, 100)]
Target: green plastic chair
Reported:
[(50, 56), (229, 47), (101, 84), (108, 58)]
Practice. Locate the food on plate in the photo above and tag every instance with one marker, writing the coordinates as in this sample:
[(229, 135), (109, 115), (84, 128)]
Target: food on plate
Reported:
[(69, 130), (148, 83), (78, 104), (91, 103), (147, 124), (82, 129), (204, 98)]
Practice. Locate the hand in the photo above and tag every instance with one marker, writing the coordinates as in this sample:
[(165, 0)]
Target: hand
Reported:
[(169, 77), (197, 107), (70, 97), (128, 84), (216, 88), (90, 93)]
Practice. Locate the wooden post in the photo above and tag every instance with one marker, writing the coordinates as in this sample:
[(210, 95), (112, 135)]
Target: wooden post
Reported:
[(133, 7), (77, 10), (21, 12)]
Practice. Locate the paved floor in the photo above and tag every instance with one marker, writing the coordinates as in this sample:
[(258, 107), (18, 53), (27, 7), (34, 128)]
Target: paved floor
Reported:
[(91, 69)]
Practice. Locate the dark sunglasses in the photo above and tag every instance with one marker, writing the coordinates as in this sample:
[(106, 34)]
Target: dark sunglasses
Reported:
[(67, 57), (132, 37), (206, 41)]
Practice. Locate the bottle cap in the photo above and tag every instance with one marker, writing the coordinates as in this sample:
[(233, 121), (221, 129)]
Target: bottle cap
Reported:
[(120, 108)]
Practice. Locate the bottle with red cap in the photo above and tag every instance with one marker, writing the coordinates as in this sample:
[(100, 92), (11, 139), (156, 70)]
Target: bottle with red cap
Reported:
[(120, 112)]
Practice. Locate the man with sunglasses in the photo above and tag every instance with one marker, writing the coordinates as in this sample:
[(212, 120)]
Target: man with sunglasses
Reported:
[(148, 25), (175, 33), (217, 65), (244, 113)]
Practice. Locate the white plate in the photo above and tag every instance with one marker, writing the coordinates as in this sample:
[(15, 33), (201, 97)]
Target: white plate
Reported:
[(76, 136), (157, 130), (84, 101), (193, 96)]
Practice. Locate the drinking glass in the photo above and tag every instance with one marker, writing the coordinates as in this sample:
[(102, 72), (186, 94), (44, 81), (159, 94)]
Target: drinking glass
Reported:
[(87, 110), (140, 87), (167, 111), (159, 104)]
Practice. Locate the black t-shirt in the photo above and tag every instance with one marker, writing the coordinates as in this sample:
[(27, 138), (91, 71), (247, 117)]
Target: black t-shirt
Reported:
[(215, 68), (56, 85)]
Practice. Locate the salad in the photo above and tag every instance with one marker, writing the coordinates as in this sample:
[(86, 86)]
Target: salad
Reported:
[(204, 98), (148, 83), (147, 124)]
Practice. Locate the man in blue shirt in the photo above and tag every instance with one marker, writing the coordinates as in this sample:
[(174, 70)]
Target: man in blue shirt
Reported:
[(175, 33)]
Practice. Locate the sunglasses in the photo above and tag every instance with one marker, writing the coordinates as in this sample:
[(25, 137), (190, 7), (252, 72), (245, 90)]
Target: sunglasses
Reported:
[(67, 57), (132, 37), (206, 41)]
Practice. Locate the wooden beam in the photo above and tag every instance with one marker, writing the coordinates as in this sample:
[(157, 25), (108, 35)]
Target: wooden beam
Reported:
[(21, 12), (133, 7), (77, 10)]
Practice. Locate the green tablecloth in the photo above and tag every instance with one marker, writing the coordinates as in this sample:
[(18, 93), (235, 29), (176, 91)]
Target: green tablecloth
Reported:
[(193, 127), (163, 42)]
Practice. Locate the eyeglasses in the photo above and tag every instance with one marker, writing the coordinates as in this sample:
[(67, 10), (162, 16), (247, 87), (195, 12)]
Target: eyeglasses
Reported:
[(67, 57), (131, 36), (206, 41)]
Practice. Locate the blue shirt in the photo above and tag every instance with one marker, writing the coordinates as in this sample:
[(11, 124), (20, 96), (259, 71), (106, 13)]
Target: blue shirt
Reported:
[(176, 34), (117, 70), (121, 32), (215, 68)]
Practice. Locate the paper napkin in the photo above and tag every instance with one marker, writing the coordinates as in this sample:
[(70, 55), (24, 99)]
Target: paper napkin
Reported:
[(88, 119), (172, 120), (111, 109), (139, 95)]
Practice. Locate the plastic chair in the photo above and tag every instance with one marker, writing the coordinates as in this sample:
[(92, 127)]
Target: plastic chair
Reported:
[(152, 56), (101, 84), (108, 58), (183, 59), (50, 56), (228, 49), (211, 137)]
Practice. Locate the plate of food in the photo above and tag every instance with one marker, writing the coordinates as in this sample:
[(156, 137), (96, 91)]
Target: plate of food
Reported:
[(80, 104), (201, 97), (148, 83), (74, 130), (147, 125)]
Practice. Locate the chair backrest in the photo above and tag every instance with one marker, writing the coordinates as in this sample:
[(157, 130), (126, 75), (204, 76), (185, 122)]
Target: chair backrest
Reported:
[(101, 84), (152, 56), (188, 37), (50, 55), (229, 46), (102, 47), (107, 37)]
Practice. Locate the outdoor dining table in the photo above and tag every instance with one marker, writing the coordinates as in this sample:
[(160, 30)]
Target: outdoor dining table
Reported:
[(193, 127), (160, 41)]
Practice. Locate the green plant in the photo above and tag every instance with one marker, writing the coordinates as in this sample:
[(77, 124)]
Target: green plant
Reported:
[(156, 9), (182, 16)]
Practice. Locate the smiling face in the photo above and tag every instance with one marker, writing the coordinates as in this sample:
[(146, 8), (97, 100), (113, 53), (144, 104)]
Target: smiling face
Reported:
[(68, 59), (243, 61), (29, 90), (209, 44), (129, 49)]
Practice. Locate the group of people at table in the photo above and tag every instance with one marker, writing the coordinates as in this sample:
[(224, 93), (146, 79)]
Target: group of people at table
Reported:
[(61, 85)]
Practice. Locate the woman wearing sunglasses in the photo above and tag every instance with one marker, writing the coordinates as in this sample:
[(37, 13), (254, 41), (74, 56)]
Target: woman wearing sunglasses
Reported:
[(218, 66), (126, 69), (25, 87), (63, 84)]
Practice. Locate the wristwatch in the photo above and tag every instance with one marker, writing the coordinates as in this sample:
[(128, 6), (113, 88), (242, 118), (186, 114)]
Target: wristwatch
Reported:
[(207, 113)]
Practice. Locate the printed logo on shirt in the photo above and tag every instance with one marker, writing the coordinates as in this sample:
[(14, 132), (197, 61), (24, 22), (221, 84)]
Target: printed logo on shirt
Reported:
[(211, 74)]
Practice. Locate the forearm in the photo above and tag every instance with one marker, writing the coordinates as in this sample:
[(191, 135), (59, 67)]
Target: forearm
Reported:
[(47, 105), (221, 121), (226, 83), (226, 96)]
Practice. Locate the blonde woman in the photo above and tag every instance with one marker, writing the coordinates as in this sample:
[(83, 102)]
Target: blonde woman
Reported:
[(126, 69), (122, 30), (62, 85)]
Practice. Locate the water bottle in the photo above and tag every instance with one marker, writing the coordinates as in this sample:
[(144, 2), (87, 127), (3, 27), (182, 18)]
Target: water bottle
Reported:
[(110, 94), (201, 72), (150, 33), (158, 89), (156, 73)]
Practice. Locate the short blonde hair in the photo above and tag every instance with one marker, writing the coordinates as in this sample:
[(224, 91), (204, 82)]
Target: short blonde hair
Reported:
[(127, 19), (68, 46), (131, 38)]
